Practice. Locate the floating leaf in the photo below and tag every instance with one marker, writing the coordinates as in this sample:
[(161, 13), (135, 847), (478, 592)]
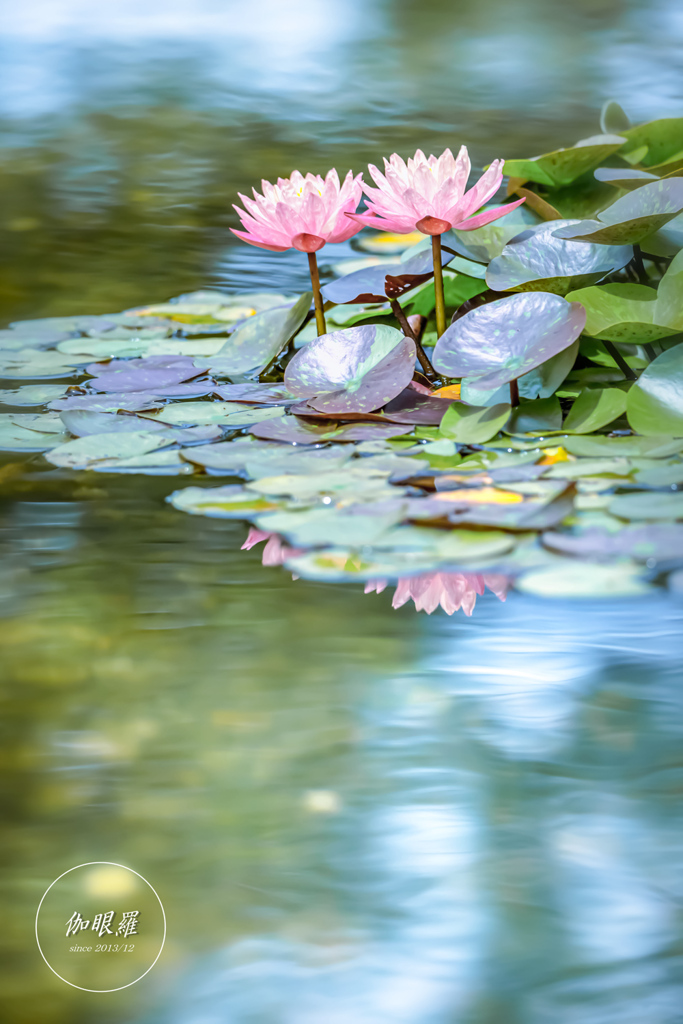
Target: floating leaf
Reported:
[(30, 432), (503, 340), (539, 414), (633, 217), (643, 505), (292, 430), (32, 394), (227, 414), (100, 448), (586, 579), (322, 526), (147, 374), (84, 422), (595, 408), (626, 313), (169, 462), (34, 364), (537, 260), (471, 424), (563, 166), (412, 407), (268, 394), (655, 402), (131, 401), (627, 447), (231, 502), (656, 541), (260, 339), (355, 370)]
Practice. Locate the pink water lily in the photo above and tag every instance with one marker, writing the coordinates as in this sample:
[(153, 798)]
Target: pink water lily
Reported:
[(301, 212), (451, 590), (274, 552), (428, 194)]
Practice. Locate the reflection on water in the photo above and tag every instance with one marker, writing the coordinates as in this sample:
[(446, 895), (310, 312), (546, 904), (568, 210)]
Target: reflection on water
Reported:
[(351, 813)]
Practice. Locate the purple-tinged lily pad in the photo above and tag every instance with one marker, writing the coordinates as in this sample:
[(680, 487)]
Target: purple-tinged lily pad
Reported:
[(502, 340), (356, 370), (627, 178), (537, 260), (292, 430), (659, 541), (633, 217), (131, 401), (259, 394), (148, 374), (412, 407)]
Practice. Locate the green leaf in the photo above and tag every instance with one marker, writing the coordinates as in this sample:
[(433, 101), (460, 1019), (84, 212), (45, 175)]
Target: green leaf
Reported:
[(655, 402), (610, 447), (645, 505), (541, 382), (259, 339), (633, 217), (563, 166), (584, 579), (482, 244), (653, 143), (471, 424), (613, 118), (627, 313), (595, 408), (537, 260), (540, 414)]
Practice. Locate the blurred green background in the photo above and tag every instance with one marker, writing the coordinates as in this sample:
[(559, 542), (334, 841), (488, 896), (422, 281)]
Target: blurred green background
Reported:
[(350, 813)]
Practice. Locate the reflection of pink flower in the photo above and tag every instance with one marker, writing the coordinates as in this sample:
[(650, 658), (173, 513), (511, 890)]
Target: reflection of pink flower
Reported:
[(429, 194), (300, 213), (275, 552), (451, 590)]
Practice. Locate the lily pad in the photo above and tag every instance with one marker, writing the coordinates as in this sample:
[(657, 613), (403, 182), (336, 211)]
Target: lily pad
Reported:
[(537, 260), (260, 339), (131, 401), (292, 430), (595, 408), (503, 340), (471, 424), (30, 432), (643, 505), (562, 166), (355, 370), (585, 580), (655, 402), (230, 502), (541, 382), (487, 242), (626, 313), (626, 447), (627, 178), (33, 394), (34, 364), (633, 217), (85, 452), (658, 541), (322, 526), (535, 415), (153, 372), (613, 118), (653, 143), (267, 394)]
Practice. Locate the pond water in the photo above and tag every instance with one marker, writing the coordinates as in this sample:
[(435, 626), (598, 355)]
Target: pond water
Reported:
[(350, 813)]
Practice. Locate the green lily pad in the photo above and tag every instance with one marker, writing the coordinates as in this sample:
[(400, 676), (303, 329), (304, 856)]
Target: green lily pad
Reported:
[(502, 340), (645, 505), (230, 502), (595, 408), (30, 432), (86, 451), (584, 579), (537, 260), (322, 526), (613, 118), (653, 143), (260, 338), (626, 313), (633, 217), (483, 244), (628, 447), (35, 364), (33, 394), (655, 402), (563, 166), (471, 424)]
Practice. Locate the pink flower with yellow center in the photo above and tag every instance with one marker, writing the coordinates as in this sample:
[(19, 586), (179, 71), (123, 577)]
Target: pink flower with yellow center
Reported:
[(428, 194), (451, 590), (301, 212)]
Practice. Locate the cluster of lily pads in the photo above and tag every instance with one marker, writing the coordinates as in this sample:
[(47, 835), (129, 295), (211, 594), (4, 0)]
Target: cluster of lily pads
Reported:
[(540, 440)]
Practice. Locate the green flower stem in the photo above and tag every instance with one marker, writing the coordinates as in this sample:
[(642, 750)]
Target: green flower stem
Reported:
[(514, 393), (317, 296), (438, 286), (410, 333)]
